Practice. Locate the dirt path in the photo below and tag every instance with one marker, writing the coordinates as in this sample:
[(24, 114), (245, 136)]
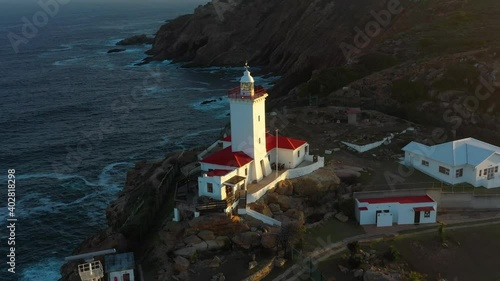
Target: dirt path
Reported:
[(298, 271)]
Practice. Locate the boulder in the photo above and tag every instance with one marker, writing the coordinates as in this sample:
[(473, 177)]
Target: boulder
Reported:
[(341, 217), (371, 275), (343, 269), (279, 262), (284, 187), (358, 273), (284, 201), (275, 208), (282, 218), (206, 235), (247, 240), (295, 215), (252, 264), (218, 277), (191, 240), (268, 240), (215, 262), (329, 215), (262, 208), (116, 50), (181, 264), (187, 252), (136, 40)]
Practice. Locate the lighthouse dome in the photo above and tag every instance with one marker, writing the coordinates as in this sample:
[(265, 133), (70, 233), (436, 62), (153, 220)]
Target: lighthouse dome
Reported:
[(246, 78)]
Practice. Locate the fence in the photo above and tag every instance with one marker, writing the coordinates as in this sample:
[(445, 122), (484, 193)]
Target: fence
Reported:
[(311, 269)]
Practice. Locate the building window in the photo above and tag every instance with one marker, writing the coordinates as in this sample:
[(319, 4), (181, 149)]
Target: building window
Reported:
[(246, 171), (298, 154), (484, 172), (444, 170), (425, 163), (210, 187), (259, 140), (459, 173), (258, 118), (427, 214), (307, 147), (480, 171), (496, 169)]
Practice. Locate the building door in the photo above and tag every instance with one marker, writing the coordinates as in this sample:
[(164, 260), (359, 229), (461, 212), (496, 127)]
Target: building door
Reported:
[(263, 168), (417, 217), (490, 172), (126, 277), (376, 215)]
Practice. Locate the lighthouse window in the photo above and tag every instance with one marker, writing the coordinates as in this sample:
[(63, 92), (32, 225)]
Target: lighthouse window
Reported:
[(298, 154), (259, 140), (259, 118)]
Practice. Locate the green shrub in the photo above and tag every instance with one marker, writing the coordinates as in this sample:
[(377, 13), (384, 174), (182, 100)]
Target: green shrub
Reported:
[(392, 254), (353, 247), (346, 206), (354, 261), (442, 232), (406, 91), (416, 276)]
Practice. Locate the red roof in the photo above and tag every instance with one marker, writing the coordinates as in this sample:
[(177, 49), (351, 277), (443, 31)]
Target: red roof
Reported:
[(218, 173), (420, 209), (283, 142), (363, 208), (226, 157), (400, 200)]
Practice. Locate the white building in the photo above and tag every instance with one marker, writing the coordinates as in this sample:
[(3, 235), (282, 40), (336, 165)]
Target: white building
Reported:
[(461, 161), (120, 267), (250, 153), (387, 211)]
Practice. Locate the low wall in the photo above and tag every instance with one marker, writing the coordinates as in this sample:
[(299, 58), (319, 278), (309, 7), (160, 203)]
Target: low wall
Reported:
[(302, 171), (263, 218), (370, 146), (467, 200), (255, 196)]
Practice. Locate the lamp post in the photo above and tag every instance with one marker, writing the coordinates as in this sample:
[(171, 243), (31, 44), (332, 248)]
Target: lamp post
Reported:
[(277, 162)]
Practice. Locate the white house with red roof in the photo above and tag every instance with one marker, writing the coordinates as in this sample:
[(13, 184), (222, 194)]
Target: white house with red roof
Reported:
[(386, 211), (250, 153)]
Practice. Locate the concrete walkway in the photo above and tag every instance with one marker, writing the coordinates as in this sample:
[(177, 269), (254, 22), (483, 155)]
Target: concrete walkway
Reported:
[(300, 271)]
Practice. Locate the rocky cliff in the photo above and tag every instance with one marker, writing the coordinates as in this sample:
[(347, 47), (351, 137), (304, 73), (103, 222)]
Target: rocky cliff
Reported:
[(397, 54), (289, 37)]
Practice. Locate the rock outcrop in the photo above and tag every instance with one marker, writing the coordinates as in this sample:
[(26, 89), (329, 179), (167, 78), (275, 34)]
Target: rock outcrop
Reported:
[(136, 40)]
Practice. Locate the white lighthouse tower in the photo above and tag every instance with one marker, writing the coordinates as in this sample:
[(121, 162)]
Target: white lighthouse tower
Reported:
[(248, 124)]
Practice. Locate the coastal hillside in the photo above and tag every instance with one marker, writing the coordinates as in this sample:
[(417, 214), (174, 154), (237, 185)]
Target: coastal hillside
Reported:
[(418, 60)]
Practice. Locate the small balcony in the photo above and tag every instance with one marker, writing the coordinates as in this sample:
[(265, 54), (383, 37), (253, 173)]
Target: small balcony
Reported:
[(235, 93)]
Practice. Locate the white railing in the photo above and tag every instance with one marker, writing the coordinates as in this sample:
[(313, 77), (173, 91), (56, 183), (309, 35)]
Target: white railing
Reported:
[(263, 218), (204, 152)]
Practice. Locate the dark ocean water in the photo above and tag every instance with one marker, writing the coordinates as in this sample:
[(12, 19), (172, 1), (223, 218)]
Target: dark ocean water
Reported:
[(73, 119)]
